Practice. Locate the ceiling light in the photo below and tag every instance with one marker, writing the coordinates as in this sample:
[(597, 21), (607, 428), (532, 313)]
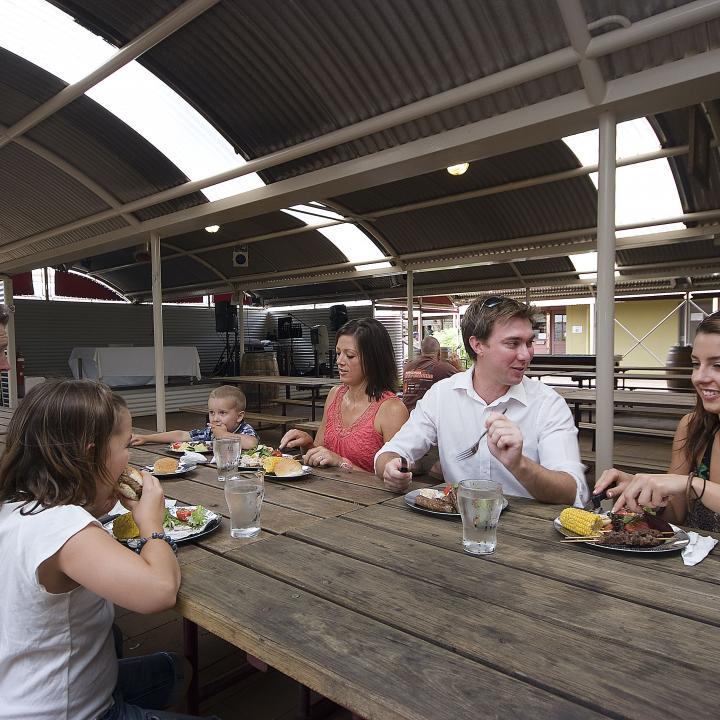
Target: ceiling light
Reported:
[(458, 169), (212, 228)]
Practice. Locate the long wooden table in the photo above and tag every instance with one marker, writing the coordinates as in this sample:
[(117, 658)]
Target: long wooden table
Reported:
[(582, 376), (314, 384), (377, 608)]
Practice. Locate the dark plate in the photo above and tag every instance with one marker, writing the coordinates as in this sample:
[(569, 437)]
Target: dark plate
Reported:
[(182, 470), (673, 544), (410, 502), (306, 470), (212, 525)]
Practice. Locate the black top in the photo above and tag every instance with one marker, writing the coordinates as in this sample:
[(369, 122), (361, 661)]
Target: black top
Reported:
[(698, 516)]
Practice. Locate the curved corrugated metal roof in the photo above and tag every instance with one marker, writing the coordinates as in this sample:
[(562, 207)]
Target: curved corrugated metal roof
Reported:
[(270, 75)]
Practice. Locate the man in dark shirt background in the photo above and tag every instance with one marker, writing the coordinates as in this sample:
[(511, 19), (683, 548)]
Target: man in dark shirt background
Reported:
[(419, 375)]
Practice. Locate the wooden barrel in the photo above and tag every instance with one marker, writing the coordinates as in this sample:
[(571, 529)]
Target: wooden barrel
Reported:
[(679, 356), (259, 363)]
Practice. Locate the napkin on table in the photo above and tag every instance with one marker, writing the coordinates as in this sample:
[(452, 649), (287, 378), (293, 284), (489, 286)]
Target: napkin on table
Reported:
[(192, 457), (698, 548)]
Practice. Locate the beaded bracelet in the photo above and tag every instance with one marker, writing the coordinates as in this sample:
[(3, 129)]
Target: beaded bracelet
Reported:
[(156, 536)]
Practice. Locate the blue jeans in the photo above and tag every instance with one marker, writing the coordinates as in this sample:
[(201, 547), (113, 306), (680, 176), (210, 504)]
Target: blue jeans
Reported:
[(146, 684)]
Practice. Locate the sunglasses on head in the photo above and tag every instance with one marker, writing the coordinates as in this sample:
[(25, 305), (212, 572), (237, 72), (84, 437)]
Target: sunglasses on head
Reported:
[(492, 301)]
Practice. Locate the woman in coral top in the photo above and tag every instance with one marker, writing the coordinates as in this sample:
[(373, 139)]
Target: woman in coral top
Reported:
[(362, 413)]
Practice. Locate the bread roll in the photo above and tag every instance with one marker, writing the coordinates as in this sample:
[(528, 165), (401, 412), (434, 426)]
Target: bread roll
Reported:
[(165, 465), (287, 466)]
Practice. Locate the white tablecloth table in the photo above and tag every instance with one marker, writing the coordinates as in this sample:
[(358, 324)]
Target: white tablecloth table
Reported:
[(120, 366)]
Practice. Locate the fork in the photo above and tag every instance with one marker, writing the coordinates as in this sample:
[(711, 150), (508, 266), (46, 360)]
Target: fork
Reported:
[(465, 454)]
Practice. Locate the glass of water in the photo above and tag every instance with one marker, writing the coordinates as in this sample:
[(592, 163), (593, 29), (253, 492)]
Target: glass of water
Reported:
[(227, 457), (244, 494), (480, 503)]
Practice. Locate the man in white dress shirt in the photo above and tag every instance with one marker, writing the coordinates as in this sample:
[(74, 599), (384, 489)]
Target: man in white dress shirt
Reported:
[(531, 445)]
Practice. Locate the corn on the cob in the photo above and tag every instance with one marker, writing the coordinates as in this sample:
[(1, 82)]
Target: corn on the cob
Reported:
[(580, 522)]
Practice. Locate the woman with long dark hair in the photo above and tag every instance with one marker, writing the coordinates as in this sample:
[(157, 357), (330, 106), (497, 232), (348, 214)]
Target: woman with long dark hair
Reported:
[(691, 487), (364, 412)]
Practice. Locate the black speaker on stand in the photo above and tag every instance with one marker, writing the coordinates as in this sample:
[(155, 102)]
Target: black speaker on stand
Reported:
[(338, 317), (226, 321)]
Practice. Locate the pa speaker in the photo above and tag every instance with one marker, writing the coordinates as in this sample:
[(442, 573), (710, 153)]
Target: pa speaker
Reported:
[(226, 319), (288, 329), (338, 316)]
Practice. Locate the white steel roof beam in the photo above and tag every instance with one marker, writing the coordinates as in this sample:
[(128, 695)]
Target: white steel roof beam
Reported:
[(162, 29), (679, 18), (576, 26)]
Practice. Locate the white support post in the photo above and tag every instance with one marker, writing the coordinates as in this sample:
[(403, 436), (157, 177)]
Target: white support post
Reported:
[(605, 304), (686, 319), (410, 318), (9, 301), (420, 320), (158, 339)]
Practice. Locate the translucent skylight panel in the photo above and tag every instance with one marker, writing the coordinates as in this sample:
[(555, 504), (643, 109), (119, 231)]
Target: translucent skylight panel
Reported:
[(347, 238), (51, 39), (643, 192)]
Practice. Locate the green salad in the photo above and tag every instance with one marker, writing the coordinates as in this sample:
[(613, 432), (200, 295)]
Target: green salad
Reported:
[(185, 517), (260, 451)]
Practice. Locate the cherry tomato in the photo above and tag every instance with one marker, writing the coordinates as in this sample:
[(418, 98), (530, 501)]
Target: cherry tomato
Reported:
[(183, 514)]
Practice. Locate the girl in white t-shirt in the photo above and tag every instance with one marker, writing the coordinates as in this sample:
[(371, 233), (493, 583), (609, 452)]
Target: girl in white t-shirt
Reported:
[(66, 447)]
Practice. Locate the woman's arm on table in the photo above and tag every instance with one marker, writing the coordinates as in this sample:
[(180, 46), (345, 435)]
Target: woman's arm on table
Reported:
[(301, 439), (654, 489)]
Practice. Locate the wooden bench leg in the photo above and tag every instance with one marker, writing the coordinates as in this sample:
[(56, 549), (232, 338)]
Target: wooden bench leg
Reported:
[(190, 647)]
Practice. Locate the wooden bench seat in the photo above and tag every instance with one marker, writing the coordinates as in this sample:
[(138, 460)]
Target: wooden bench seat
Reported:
[(627, 463), (308, 426), (632, 430), (302, 402), (251, 417)]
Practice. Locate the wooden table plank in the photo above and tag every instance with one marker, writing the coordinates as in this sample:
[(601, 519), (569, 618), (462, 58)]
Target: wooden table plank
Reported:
[(603, 573), (503, 639), (348, 657), (602, 618)]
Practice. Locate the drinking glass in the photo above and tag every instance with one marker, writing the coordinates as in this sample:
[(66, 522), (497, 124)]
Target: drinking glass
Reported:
[(480, 503), (244, 495), (227, 457)]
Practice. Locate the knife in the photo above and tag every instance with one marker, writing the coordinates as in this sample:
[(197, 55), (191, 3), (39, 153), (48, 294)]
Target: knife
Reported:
[(595, 500)]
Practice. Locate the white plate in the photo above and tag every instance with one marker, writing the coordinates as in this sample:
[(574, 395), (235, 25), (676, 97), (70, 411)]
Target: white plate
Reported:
[(410, 502), (191, 448), (178, 534), (677, 542), (183, 468)]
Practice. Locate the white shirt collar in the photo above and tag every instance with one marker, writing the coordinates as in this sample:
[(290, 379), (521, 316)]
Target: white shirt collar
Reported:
[(464, 381)]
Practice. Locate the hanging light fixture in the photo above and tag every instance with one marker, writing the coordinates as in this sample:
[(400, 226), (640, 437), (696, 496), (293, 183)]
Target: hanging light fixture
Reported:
[(458, 169), (212, 228)]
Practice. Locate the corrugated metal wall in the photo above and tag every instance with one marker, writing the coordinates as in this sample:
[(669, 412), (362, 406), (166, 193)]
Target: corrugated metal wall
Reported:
[(48, 331), (302, 350)]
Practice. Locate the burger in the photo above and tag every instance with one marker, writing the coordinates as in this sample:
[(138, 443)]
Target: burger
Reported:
[(130, 483), (165, 465)]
